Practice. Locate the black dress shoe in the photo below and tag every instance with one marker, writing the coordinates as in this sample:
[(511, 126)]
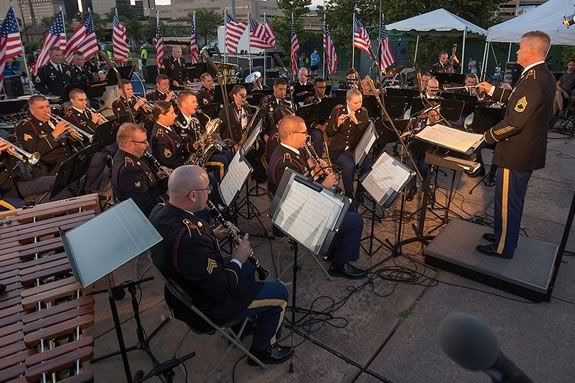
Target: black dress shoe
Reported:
[(491, 251), (275, 355), (346, 270), (488, 237)]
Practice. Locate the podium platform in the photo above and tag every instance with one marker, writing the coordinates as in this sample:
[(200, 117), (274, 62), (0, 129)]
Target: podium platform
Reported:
[(528, 274)]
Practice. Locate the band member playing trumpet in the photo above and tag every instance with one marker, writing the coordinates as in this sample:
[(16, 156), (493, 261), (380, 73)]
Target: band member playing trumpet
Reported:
[(162, 91), (345, 127), (293, 135), (80, 115), (132, 175), (167, 145), (207, 93), (128, 107)]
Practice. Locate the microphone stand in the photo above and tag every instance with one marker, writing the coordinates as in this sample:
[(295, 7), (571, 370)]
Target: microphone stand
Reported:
[(222, 82)]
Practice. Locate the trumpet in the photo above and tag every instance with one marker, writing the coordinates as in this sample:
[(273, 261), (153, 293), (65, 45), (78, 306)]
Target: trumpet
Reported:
[(263, 273), (78, 133), (93, 111), (147, 105), (21, 154)]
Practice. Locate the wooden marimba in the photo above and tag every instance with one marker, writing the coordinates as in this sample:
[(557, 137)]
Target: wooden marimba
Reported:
[(43, 311)]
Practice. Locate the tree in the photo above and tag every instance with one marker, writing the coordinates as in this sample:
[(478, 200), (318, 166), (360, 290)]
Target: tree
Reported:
[(207, 22), (281, 25)]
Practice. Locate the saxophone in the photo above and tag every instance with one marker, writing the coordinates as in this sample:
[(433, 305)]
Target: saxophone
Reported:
[(206, 143)]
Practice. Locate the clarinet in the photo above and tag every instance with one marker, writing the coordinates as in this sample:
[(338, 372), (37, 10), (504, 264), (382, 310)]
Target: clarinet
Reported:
[(263, 273), (161, 171)]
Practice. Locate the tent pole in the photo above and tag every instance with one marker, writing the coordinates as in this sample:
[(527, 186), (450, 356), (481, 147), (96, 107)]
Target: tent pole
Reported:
[(509, 52), (482, 73), (416, 47), (463, 49)]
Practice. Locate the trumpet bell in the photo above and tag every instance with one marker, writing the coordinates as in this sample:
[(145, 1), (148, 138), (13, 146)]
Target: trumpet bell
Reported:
[(252, 77), (34, 158)]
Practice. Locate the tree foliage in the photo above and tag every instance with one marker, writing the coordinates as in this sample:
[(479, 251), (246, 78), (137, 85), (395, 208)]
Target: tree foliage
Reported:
[(281, 25), (207, 21)]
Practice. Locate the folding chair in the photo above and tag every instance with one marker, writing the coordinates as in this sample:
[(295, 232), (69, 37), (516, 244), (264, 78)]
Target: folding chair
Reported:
[(226, 330)]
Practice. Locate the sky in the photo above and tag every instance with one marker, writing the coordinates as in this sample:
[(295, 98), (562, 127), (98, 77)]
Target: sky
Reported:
[(163, 2)]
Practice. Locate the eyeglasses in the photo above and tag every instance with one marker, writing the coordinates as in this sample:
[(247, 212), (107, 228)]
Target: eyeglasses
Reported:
[(145, 142), (208, 189)]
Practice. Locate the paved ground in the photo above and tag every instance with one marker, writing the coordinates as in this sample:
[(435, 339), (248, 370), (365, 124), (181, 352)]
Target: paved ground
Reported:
[(383, 329)]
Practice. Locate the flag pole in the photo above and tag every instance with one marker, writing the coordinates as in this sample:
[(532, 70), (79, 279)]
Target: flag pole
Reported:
[(323, 57), (64, 28), (291, 50), (225, 38), (352, 48), (265, 59), (24, 58), (250, 44), (196, 36)]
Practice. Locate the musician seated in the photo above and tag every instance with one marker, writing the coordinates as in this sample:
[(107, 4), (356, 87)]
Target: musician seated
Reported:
[(564, 87), (317, 129), (238, 116), (351, 80), (53, 77), (80, 116), (225, 291), (133, 176), (425, 77), (162, 91), (82, 73), (445, 64), (167, 145), (302, 77), (127, 107), (345, 127), (207, 93), (269, 103), (293, 134), (470, 85), (274, 141), (432, 89)]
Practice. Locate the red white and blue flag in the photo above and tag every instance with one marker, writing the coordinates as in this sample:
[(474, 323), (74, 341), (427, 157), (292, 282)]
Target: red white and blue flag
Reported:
[(386, 57), (159, 44), (90, 44), (294, 47), (10, 42), (120, 45), (55, 37), (361, 37), (329, 49), (234, 32), (194, 49), (75, 41), (261, 35)]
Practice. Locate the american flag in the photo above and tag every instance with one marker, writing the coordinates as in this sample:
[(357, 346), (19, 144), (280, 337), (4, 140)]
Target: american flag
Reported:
[(294, 48), (120, 45), (159, 44), (56, 36), (361, 37), (90, 44), (10, 41), (75, 41), (234, 31), (194, 49), (386, 57), (329, 49), (260, 36), (270, 33)]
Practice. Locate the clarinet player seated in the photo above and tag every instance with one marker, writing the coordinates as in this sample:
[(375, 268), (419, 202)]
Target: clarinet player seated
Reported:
[(225, 291)]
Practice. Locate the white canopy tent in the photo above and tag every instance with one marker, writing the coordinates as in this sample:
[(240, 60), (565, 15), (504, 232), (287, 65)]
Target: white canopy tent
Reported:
[(439, 21)]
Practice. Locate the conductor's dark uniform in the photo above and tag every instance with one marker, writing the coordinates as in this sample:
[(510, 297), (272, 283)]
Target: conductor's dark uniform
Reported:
[(134, 178), (53, 79), (223, 290), (520, 147)]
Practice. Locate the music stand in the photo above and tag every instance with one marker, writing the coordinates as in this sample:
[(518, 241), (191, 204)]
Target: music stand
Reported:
[(452, 109), (234, 179), (309, 215), (105, 134), (383, 182), (301, 92), (73, 168), (93, 90), (194, 71), (364, 145)]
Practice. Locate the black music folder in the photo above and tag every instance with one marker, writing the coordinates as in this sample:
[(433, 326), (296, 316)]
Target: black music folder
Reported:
[(321, 111)]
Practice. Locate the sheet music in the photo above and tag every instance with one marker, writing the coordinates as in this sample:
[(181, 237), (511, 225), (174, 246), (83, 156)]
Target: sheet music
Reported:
[(252, 138), (450, 138), (238, 172), (386, 176), (308, 215), (364, 145)]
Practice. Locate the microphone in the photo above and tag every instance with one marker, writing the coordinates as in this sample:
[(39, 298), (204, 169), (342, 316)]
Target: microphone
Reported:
[(471, 343)]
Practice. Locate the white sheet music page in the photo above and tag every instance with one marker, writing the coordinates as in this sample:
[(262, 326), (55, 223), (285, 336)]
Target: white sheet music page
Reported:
[(252, 137), (364, 145), (386, 174), (307, 215), (450, 138), (238, 172)]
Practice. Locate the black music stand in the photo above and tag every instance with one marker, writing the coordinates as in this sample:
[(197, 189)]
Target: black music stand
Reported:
[(128, 234), (93, 90), (301, 92), (383, 182), (123, 72), (105, 134), (73, 168), (291, 213)]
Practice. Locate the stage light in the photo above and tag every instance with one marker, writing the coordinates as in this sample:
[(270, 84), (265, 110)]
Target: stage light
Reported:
[(569, 20)]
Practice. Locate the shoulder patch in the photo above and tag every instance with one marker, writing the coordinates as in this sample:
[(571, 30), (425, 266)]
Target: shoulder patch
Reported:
[(160, 133), (191, 226), (128, 161), (521, 104), (211, 266)]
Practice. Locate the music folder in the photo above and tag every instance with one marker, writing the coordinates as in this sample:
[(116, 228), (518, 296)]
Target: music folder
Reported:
[(449, 138), (385, 179)]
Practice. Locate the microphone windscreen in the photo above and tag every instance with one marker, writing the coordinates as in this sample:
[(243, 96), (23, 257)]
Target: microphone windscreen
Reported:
[(468, 341)]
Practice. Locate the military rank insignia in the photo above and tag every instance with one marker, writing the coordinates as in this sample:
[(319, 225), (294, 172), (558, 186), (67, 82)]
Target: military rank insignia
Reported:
[(521, 105), (190, 226), (167, 153), (211, 265)]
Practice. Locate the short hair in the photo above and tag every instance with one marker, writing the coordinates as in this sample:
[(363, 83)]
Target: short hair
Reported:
[(185, 94), (54, 48), (161, 77), (75, 93), (78, 53), (352, 92), (280, 81), (123, 82), (160, 107), (471, 75), (35, 99), (126, 132), (318, 80), (571, 60), (204, 75), (442, 53), (538, 35), (237, 88), (426, 74)]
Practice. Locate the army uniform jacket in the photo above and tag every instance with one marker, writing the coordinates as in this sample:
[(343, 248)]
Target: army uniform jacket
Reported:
[(36, 136), (447, 68), (189, 132), (347, 135), (281, 159), (175, 69), (167, 146), (521, 137), (268, 105), (50, 80), (190, 255), (82, 119), (134, 178), (236, 116), (206, 96), (124, 109), (81, 75)]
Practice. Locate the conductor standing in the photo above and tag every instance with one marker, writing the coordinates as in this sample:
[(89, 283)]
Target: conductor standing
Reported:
[(520, 140)]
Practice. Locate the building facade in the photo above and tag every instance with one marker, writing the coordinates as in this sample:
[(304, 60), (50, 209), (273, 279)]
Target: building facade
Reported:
[(510, 9), (180, 8)]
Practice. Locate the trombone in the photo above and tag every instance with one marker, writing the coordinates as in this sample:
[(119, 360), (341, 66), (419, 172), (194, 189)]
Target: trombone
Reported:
[(21, 154), (79, 133)]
